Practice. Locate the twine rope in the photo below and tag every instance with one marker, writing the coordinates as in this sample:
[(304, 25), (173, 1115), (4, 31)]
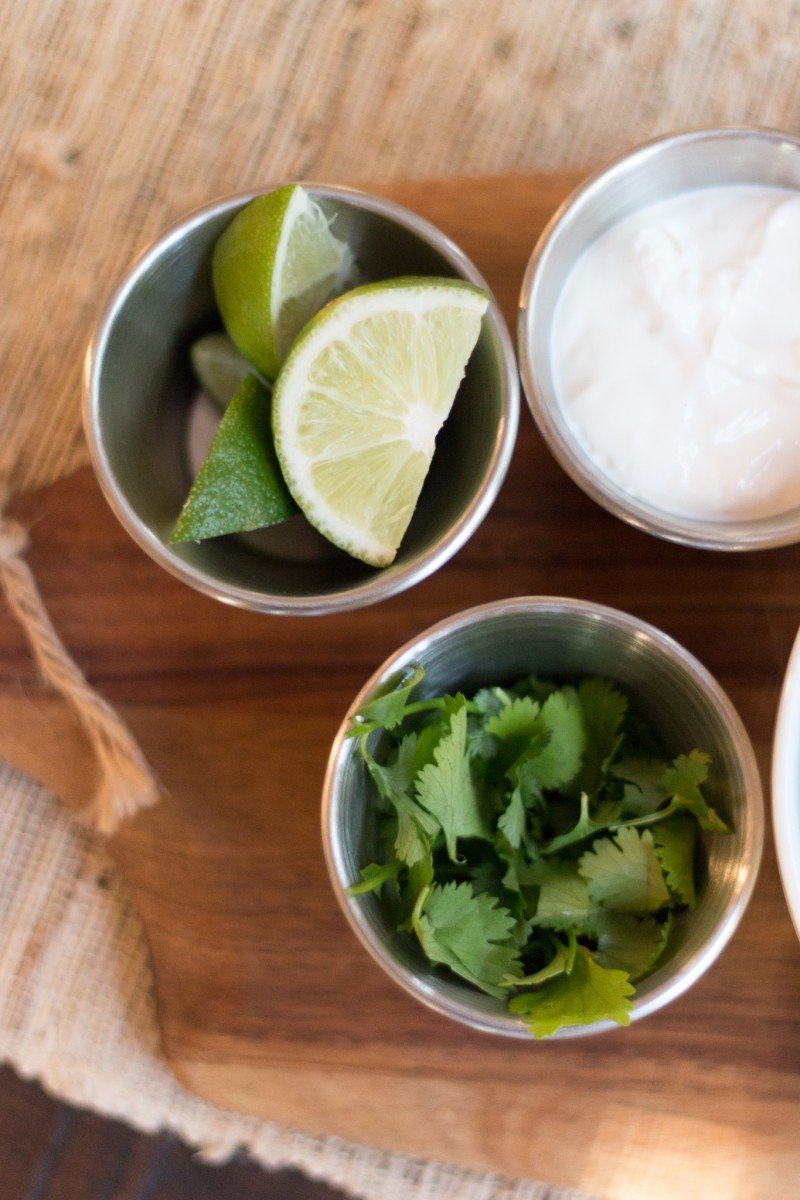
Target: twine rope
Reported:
[(126, 782)]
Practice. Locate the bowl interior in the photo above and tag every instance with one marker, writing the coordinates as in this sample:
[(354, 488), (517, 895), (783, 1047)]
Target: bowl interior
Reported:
[(143, 388), (564, 640), (655, 172)]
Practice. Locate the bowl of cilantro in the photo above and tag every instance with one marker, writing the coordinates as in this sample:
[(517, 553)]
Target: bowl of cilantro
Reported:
[(543, 817)]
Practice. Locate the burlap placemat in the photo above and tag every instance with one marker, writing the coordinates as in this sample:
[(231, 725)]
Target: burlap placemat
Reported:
[(118, 116)]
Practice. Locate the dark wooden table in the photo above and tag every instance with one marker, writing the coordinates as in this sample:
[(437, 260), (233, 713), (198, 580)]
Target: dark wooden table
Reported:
[(49, 1151)]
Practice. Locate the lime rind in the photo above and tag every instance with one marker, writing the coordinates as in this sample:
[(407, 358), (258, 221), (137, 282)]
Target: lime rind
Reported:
[(272, 268), (239, 487), (360, 399), (242, 268)]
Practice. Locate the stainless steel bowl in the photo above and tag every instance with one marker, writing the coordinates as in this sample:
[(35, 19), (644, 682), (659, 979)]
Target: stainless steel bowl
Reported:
[(560, 639), (139, 387), (654, 172)]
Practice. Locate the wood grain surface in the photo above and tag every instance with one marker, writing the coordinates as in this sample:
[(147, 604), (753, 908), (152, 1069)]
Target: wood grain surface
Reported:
[(267, 1003), (50, 1151)]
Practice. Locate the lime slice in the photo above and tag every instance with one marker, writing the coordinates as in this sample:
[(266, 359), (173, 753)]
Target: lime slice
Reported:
[(360, 400), (239, 486), (219, 367), (273, 268)]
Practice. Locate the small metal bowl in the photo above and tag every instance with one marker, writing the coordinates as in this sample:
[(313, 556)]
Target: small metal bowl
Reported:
[(139, 388), (561, 639), (656, 171)]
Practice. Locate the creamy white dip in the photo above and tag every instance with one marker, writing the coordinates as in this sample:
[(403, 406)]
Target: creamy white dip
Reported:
[(676, 352)]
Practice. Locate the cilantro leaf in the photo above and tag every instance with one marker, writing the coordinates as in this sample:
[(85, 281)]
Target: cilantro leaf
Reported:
[(470, 934), (517, 719), (558, 965), (603, 708), (682, 781), (418, 877), (412, 753), (521, 875), (557, 764), (511, 822), (386, 710), (427, 739), (446, 790), (584, 827), (536, 688), (589, 993), (628, 943), (624, 873), (480, 745), (486, 876), (415, 827), (490, 700), (675, 842), (415, 830), (537, 810), (666, 931), (517, 730), (520, 934), (372, 877), (644, 791), (397, 775), (563, 899)]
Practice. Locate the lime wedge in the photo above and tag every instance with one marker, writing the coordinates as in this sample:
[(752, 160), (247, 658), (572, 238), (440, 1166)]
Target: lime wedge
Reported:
[(219, 367), (239, 486), (273, 268), (360, 400)]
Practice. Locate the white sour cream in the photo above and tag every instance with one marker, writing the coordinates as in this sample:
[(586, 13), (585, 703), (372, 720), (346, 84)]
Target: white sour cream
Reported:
[(676, 352)]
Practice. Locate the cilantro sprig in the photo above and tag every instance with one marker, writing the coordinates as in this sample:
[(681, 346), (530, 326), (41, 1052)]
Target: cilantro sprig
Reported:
[(536, 843)]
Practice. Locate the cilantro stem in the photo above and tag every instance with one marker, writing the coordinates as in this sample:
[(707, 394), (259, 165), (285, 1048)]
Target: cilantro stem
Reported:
[(372, 766), (418, 907), (418, 706), (586, 828), (648, 819), (572, 951), (560, 964)]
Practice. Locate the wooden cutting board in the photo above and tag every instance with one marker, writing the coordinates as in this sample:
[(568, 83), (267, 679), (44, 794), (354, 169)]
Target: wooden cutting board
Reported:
[(267, 1003)]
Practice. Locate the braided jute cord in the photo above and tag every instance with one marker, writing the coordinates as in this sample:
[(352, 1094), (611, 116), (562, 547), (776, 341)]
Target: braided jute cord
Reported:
[(126, 782)]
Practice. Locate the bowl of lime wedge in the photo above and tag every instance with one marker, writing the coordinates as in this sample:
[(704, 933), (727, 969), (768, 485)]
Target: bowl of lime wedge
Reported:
[(301, 401)]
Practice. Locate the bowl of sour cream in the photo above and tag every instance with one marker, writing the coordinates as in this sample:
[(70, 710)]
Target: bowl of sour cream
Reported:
[(659, 338)]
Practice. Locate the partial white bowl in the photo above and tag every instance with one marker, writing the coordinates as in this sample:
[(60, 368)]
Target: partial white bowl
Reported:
[(659, 170), (786, 784)]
